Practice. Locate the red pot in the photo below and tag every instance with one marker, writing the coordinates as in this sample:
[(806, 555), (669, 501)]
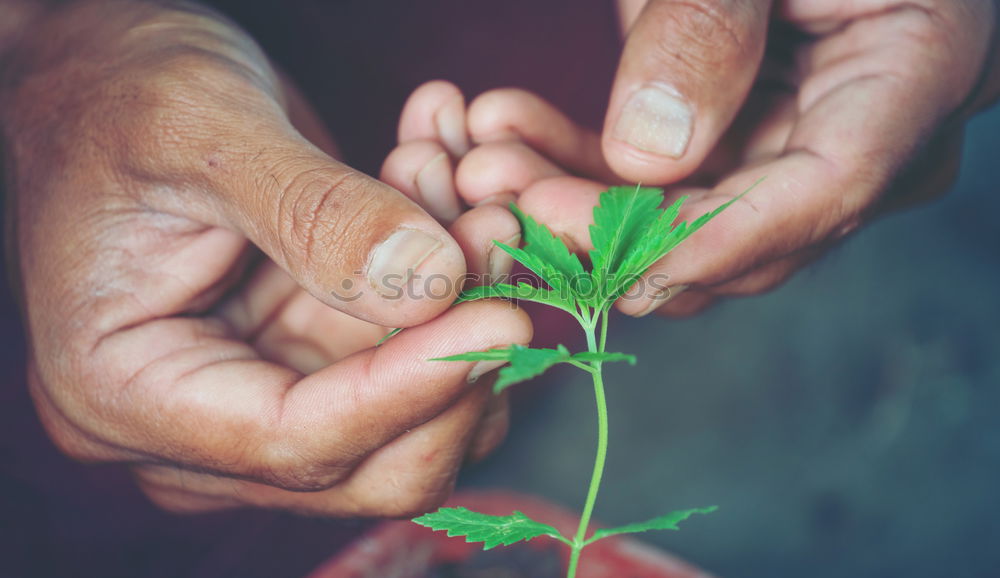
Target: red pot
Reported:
[(402, 549)]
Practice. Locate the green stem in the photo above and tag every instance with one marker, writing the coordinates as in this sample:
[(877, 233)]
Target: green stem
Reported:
[(581, 365), (602, 448), (604, 330)]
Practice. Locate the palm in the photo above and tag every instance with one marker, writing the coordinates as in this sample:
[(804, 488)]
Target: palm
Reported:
[(288, 326)]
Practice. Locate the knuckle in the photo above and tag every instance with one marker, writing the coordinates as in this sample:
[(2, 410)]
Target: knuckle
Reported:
[(700, 35), (500, 167), (295, 470), (304, 478), (495, 114), (488, 163), (321, 213)]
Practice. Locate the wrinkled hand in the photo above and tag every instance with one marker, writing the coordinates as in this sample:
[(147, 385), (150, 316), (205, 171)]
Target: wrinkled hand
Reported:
[(847, 109), (149, 153)]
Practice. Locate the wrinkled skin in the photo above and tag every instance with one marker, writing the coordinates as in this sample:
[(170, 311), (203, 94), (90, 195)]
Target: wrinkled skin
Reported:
[(181, 231)]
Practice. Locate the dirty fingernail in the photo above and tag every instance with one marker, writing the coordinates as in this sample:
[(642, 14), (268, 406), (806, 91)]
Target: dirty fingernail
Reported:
[(662, 298), (394, 261), (450, 123), (657, 120), (434, 182), (482, 368), (499, 262)]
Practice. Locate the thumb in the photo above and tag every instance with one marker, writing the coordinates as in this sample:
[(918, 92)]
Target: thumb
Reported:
[(685, 71), (351, 241)]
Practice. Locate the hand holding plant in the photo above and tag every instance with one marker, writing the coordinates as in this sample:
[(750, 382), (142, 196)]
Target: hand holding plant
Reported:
[(629, 234)]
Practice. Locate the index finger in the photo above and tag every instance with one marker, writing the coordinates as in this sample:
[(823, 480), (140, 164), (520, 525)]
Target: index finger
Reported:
[(179, 390)]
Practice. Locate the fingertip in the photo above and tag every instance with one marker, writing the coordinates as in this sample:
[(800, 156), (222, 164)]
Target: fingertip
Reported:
[(685, 302), (449, 120), (498, 320), (689, 304), (653, 134), (684, 73), (436, 111), (635, 165), (470, 326), (379, 393), (415, 273), (353, 242), (649, 294), (475, 231), (510, 114), (493, 115), (566, 206), (477, 325), (422, 170), (498, 168)]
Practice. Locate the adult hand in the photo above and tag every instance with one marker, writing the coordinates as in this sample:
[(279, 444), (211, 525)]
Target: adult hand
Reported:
[(846, 108), (149, 152)]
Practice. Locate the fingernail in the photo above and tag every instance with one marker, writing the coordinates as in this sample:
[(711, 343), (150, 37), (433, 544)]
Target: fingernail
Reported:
[(499, 262), (482, 368), (394, 261), (657, 120), (662, 298), (434, 182), (450, 123)]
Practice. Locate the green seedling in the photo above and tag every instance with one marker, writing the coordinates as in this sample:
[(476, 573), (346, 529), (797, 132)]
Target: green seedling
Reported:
[(630, 233)]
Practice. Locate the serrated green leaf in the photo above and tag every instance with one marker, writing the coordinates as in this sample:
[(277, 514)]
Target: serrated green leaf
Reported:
[(520, 292), (658, 240), (559, 283), (527, 362), (605, 356), (543, 250), (621, 218), (492, 531), (667, 522)]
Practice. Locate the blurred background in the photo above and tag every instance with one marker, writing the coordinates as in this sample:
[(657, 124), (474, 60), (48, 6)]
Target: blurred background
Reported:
[(843, 423), (846, 424)]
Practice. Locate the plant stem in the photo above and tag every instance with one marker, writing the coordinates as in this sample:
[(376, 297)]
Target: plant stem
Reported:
[(604, 330), (602, 448)]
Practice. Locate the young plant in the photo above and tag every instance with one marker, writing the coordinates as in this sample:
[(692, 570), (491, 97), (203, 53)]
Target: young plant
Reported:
[(629, 234)]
